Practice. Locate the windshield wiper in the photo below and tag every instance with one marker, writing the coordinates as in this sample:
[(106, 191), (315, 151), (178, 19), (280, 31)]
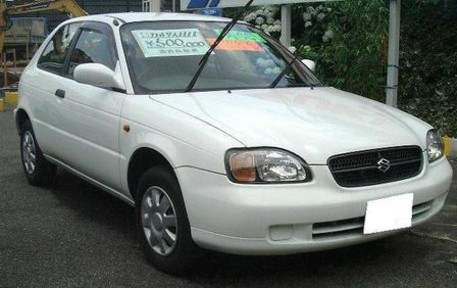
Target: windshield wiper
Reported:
[(284, 71), (221, 36), (289, 64)]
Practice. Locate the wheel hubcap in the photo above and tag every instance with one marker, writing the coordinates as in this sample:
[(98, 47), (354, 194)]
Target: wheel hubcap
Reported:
[(29, 152), (159, 220)]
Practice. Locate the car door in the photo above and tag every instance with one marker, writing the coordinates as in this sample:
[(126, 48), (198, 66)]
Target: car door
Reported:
[(89, 116), (44, 81)]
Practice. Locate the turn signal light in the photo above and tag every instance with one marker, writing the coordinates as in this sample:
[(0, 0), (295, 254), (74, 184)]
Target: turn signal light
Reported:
[(242, 167)]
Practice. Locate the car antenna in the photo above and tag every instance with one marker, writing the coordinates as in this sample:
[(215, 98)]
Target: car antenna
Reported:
[(221, 36)]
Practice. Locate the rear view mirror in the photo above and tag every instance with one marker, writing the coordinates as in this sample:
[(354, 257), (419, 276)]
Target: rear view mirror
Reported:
[(96, 74), (292, 49), (310, 64)]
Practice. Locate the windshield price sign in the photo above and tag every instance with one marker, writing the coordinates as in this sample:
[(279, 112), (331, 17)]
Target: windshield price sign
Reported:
[(200, 4), (173, 42)]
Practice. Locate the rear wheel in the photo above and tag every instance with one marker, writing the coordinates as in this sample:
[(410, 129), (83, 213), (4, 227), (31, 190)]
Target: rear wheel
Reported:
[(162, 222), (37, 170)]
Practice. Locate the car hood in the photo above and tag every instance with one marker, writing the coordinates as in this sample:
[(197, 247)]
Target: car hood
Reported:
[(313, 123)]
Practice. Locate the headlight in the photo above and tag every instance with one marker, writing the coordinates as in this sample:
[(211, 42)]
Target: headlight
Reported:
[(434, 146), (266, 165)]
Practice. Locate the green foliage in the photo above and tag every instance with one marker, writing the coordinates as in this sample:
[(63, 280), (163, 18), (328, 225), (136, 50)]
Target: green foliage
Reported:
[(428, 78), (354, 58)]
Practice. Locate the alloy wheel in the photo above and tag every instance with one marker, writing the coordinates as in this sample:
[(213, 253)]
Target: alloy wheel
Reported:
[(158, 217), (29, 152)]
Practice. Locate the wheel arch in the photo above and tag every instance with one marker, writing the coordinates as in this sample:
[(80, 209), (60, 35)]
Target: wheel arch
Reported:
[(141, 160), (20, 118)]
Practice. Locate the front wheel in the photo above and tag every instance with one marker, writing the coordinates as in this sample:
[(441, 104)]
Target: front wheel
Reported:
[(162, 222)]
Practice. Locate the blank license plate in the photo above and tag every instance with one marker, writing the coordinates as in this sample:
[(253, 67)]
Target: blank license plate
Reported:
[(388, 214)]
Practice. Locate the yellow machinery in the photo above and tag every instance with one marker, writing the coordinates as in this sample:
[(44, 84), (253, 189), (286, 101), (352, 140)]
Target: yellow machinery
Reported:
[(68, 6)]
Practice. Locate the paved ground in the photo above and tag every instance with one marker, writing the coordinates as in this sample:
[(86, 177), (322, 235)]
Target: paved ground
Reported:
[(72, 234)]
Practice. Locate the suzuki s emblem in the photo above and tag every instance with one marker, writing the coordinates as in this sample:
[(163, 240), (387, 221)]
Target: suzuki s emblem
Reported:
[(383, 165)]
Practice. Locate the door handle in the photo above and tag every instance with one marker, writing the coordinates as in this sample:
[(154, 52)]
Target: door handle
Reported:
[(60, 93)]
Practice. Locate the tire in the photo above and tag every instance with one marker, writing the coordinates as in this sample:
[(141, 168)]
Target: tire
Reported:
[(38, 171), (167, 243)]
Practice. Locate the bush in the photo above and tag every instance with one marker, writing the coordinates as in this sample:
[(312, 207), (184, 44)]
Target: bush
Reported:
[(428, 75), (348, 41)]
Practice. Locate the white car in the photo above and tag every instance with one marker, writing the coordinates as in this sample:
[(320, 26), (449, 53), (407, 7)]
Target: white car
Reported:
[(235, 159)]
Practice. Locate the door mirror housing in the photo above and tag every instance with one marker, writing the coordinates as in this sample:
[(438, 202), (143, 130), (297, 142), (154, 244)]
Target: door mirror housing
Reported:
[(292, 49), (99, 75), (310, 64)]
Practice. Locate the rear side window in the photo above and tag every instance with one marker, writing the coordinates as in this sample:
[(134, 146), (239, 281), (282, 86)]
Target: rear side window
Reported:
[(54, 54)]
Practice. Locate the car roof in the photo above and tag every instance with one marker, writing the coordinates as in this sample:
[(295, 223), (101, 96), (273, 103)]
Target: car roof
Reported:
[(130, 17)]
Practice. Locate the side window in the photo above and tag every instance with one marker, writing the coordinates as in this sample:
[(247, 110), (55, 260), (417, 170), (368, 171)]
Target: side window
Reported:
[(54, 54), (92, 47)]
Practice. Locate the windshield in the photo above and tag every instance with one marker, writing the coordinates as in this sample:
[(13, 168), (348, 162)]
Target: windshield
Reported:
[(163, 58)]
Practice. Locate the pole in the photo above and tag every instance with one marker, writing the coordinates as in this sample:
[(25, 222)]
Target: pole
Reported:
[(394, 53), (155, 6), (286, 23)]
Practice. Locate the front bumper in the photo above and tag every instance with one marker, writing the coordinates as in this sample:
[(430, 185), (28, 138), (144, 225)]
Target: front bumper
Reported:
[(295, 218)]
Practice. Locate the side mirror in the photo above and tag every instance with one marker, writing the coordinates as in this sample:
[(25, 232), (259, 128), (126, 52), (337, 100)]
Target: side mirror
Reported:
[(96, 74), (310, 64)]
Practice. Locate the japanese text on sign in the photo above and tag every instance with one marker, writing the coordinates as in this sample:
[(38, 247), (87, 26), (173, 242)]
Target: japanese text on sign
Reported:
[(173, 42)]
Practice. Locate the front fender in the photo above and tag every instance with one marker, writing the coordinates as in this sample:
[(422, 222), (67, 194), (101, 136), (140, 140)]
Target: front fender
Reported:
[(181, 139)]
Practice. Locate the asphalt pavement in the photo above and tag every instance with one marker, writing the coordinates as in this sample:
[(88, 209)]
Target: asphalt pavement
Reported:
[(74, 235)]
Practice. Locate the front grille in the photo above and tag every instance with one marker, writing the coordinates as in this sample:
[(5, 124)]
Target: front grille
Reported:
[(362, 168), (354, 226)]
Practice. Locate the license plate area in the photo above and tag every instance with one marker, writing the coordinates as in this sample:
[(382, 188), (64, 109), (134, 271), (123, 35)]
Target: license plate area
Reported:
[(387, 214)]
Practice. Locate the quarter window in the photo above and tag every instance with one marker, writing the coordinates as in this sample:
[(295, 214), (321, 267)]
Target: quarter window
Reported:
[(54, 54)]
